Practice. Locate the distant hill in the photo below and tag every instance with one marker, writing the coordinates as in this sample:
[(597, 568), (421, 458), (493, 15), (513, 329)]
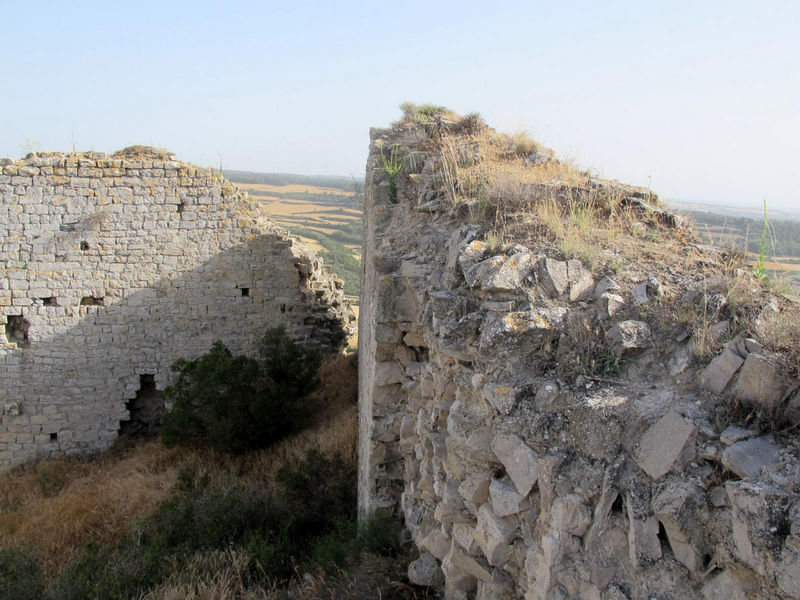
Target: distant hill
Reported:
[(741, 228), (326, 181), (732, 211)]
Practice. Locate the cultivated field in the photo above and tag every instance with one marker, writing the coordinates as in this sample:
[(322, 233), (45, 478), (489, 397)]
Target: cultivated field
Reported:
[(325, 213)]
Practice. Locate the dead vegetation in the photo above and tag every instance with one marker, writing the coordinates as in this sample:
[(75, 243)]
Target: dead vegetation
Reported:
[(139, 151), (58, 506), (517, 191)]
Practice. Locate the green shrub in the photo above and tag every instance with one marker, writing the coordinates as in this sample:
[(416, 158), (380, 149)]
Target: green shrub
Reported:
[(210, 518), (20, 575), (110, 573), (236, 403), (393, 166), (381, 535), (322, 490)]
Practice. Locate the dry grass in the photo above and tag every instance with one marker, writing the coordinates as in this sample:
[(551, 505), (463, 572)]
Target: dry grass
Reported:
[(780, 332), (57, 506), (225, 575), (139, 151)]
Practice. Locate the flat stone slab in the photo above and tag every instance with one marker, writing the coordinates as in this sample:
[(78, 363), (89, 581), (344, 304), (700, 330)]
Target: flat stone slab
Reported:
[(716, 376), (520, 461), (760, 382), (748, 457), (661, 445)]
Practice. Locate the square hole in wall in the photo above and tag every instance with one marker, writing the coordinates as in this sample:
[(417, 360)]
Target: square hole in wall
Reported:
[(53, 437), (245, 291), (84, 245), (92, 301), (49, 301), (17, 328)]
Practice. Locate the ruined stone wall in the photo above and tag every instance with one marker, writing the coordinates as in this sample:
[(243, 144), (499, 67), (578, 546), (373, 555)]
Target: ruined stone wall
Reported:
[(111, 268), (513, 482)]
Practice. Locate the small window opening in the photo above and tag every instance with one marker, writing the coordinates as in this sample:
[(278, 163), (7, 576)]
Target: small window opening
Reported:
[(245, 291), (92, 301), (49, 301), (283, 308), (616, 506), (663, 539), (17, 328), (53, 437), (84, 245), (145, 410), (180, 207)]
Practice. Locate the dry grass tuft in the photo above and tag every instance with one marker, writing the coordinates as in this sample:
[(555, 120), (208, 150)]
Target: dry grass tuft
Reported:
[(139, 151), (214, 575), (226, 575), (780, 332), (60, 505), (522, 144), (57, 506)]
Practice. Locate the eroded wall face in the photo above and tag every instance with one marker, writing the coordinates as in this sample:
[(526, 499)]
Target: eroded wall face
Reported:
[(111, 269), (513, 484)]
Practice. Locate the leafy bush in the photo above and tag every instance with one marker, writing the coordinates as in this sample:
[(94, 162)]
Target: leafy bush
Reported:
[(236, 403), (110, 573), (322, 490), (20, 575), (381, 535)]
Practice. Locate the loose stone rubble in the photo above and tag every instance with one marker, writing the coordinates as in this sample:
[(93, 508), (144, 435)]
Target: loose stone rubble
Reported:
[(515, 483), (112, 267)]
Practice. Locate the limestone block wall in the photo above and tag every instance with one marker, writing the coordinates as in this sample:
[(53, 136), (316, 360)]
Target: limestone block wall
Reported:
[(112, 267), (514, 483)]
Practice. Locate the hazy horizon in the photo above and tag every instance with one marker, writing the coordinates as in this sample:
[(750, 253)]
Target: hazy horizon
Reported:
[(696, 101)]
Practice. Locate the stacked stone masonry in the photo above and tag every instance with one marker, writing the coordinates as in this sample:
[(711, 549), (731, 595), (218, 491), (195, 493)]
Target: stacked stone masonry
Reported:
[(111, 268), (514, 484)]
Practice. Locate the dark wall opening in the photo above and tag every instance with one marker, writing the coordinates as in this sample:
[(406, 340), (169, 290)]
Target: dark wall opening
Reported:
[(145, 410), (17, 328)]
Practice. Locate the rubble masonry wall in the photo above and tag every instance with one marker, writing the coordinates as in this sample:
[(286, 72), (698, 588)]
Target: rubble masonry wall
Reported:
[(514, 484)]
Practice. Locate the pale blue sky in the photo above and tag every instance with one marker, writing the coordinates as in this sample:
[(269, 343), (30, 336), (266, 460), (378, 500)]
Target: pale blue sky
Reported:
[(700, 97)]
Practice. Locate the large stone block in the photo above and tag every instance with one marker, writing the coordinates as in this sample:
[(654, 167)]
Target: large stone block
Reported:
[(554, 276), (494, 534), (644, 546), (581, 281), (681, 509), (425, 571), (759, 513), (720, 371), (506, 500), (462, 571), (662, 444), (760, 381), (730, 584), (520, 461), (748, 457)]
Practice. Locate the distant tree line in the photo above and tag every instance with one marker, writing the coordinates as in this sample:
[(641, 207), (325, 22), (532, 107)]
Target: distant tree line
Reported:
[(332, 181), (783, 237)]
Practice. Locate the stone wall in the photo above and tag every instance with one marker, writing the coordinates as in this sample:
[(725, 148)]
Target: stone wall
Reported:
[(112, 267), (514, 482)]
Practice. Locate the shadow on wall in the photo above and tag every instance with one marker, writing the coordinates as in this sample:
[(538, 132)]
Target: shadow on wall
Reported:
[(72, 374)]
